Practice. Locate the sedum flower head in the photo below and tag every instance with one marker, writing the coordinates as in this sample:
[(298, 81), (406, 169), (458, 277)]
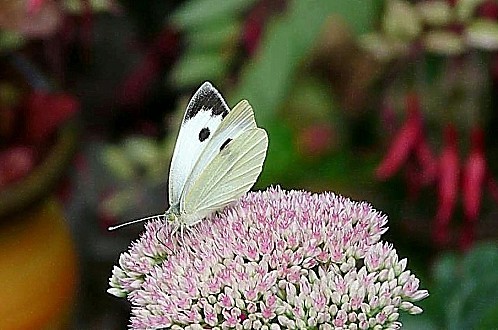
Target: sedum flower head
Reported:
[(273, 260)]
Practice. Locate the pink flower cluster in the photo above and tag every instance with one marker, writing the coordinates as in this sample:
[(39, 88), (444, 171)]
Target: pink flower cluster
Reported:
[(275, 259)]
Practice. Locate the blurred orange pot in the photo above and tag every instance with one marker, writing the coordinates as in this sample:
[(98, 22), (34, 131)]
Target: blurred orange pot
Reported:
[(38, 270)]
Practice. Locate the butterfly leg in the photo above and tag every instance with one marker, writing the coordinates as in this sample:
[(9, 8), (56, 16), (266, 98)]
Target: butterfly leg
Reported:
[(174, 230), (182, 232)]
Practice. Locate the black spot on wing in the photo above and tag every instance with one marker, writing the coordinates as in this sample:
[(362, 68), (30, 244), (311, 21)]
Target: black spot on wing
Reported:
[(204, 134), (227, 141), (207, 98)]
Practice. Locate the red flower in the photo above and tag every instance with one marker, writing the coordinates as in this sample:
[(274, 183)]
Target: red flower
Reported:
[(34, 6), (447, 185), (255, 22), (45, 112), (15, 163), (404, 142), (474, 175), (136, 85), (428, 162), (316, 140), (489, 9)]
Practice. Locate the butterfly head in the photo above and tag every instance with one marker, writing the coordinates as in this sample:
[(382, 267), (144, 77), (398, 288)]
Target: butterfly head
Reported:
[(172, 214), (171, 217)]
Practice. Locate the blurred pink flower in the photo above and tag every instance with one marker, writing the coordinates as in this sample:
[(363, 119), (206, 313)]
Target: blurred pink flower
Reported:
[(404, 142), (316, 140), (275, 259), (15, 163), (33, 19)]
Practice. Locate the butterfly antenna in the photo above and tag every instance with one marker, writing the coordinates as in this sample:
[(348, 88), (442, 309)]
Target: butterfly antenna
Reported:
[(158, 216), (159, 239)]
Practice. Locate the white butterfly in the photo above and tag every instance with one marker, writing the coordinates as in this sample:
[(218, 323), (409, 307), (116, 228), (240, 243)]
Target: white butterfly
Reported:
[(218, 157)]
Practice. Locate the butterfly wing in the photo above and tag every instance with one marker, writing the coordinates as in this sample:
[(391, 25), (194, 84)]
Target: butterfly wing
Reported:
[(239, 120), (231, 173), (203, 116)]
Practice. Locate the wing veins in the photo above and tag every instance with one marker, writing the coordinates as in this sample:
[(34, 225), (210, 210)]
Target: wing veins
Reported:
[(256, 138), (241, 113)]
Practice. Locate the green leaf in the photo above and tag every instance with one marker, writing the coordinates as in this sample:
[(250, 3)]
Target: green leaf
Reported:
[(196, 13), (117, 162), (489, 319), (78, 7), (195, 67), (465, 291), (482, 294), (401, 20), (121, 201), (314, 95), (416, 323), (465, 9), (142, 151), (10, 40), (213, 37), (280, 159), (360, 15)]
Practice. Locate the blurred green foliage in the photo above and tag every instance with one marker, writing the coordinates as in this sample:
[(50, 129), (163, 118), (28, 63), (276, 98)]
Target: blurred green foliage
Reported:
[(210, 25), (463, 293), (268, 79), (199, 14), (210, 28)]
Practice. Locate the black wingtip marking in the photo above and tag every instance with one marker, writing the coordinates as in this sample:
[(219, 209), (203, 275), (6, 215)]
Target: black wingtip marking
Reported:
[(223, 146), (206, 98), (204, 134)]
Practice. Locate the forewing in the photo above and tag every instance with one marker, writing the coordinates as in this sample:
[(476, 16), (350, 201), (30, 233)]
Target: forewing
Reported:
[(231, 173), (239, 120), (203, 116)]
